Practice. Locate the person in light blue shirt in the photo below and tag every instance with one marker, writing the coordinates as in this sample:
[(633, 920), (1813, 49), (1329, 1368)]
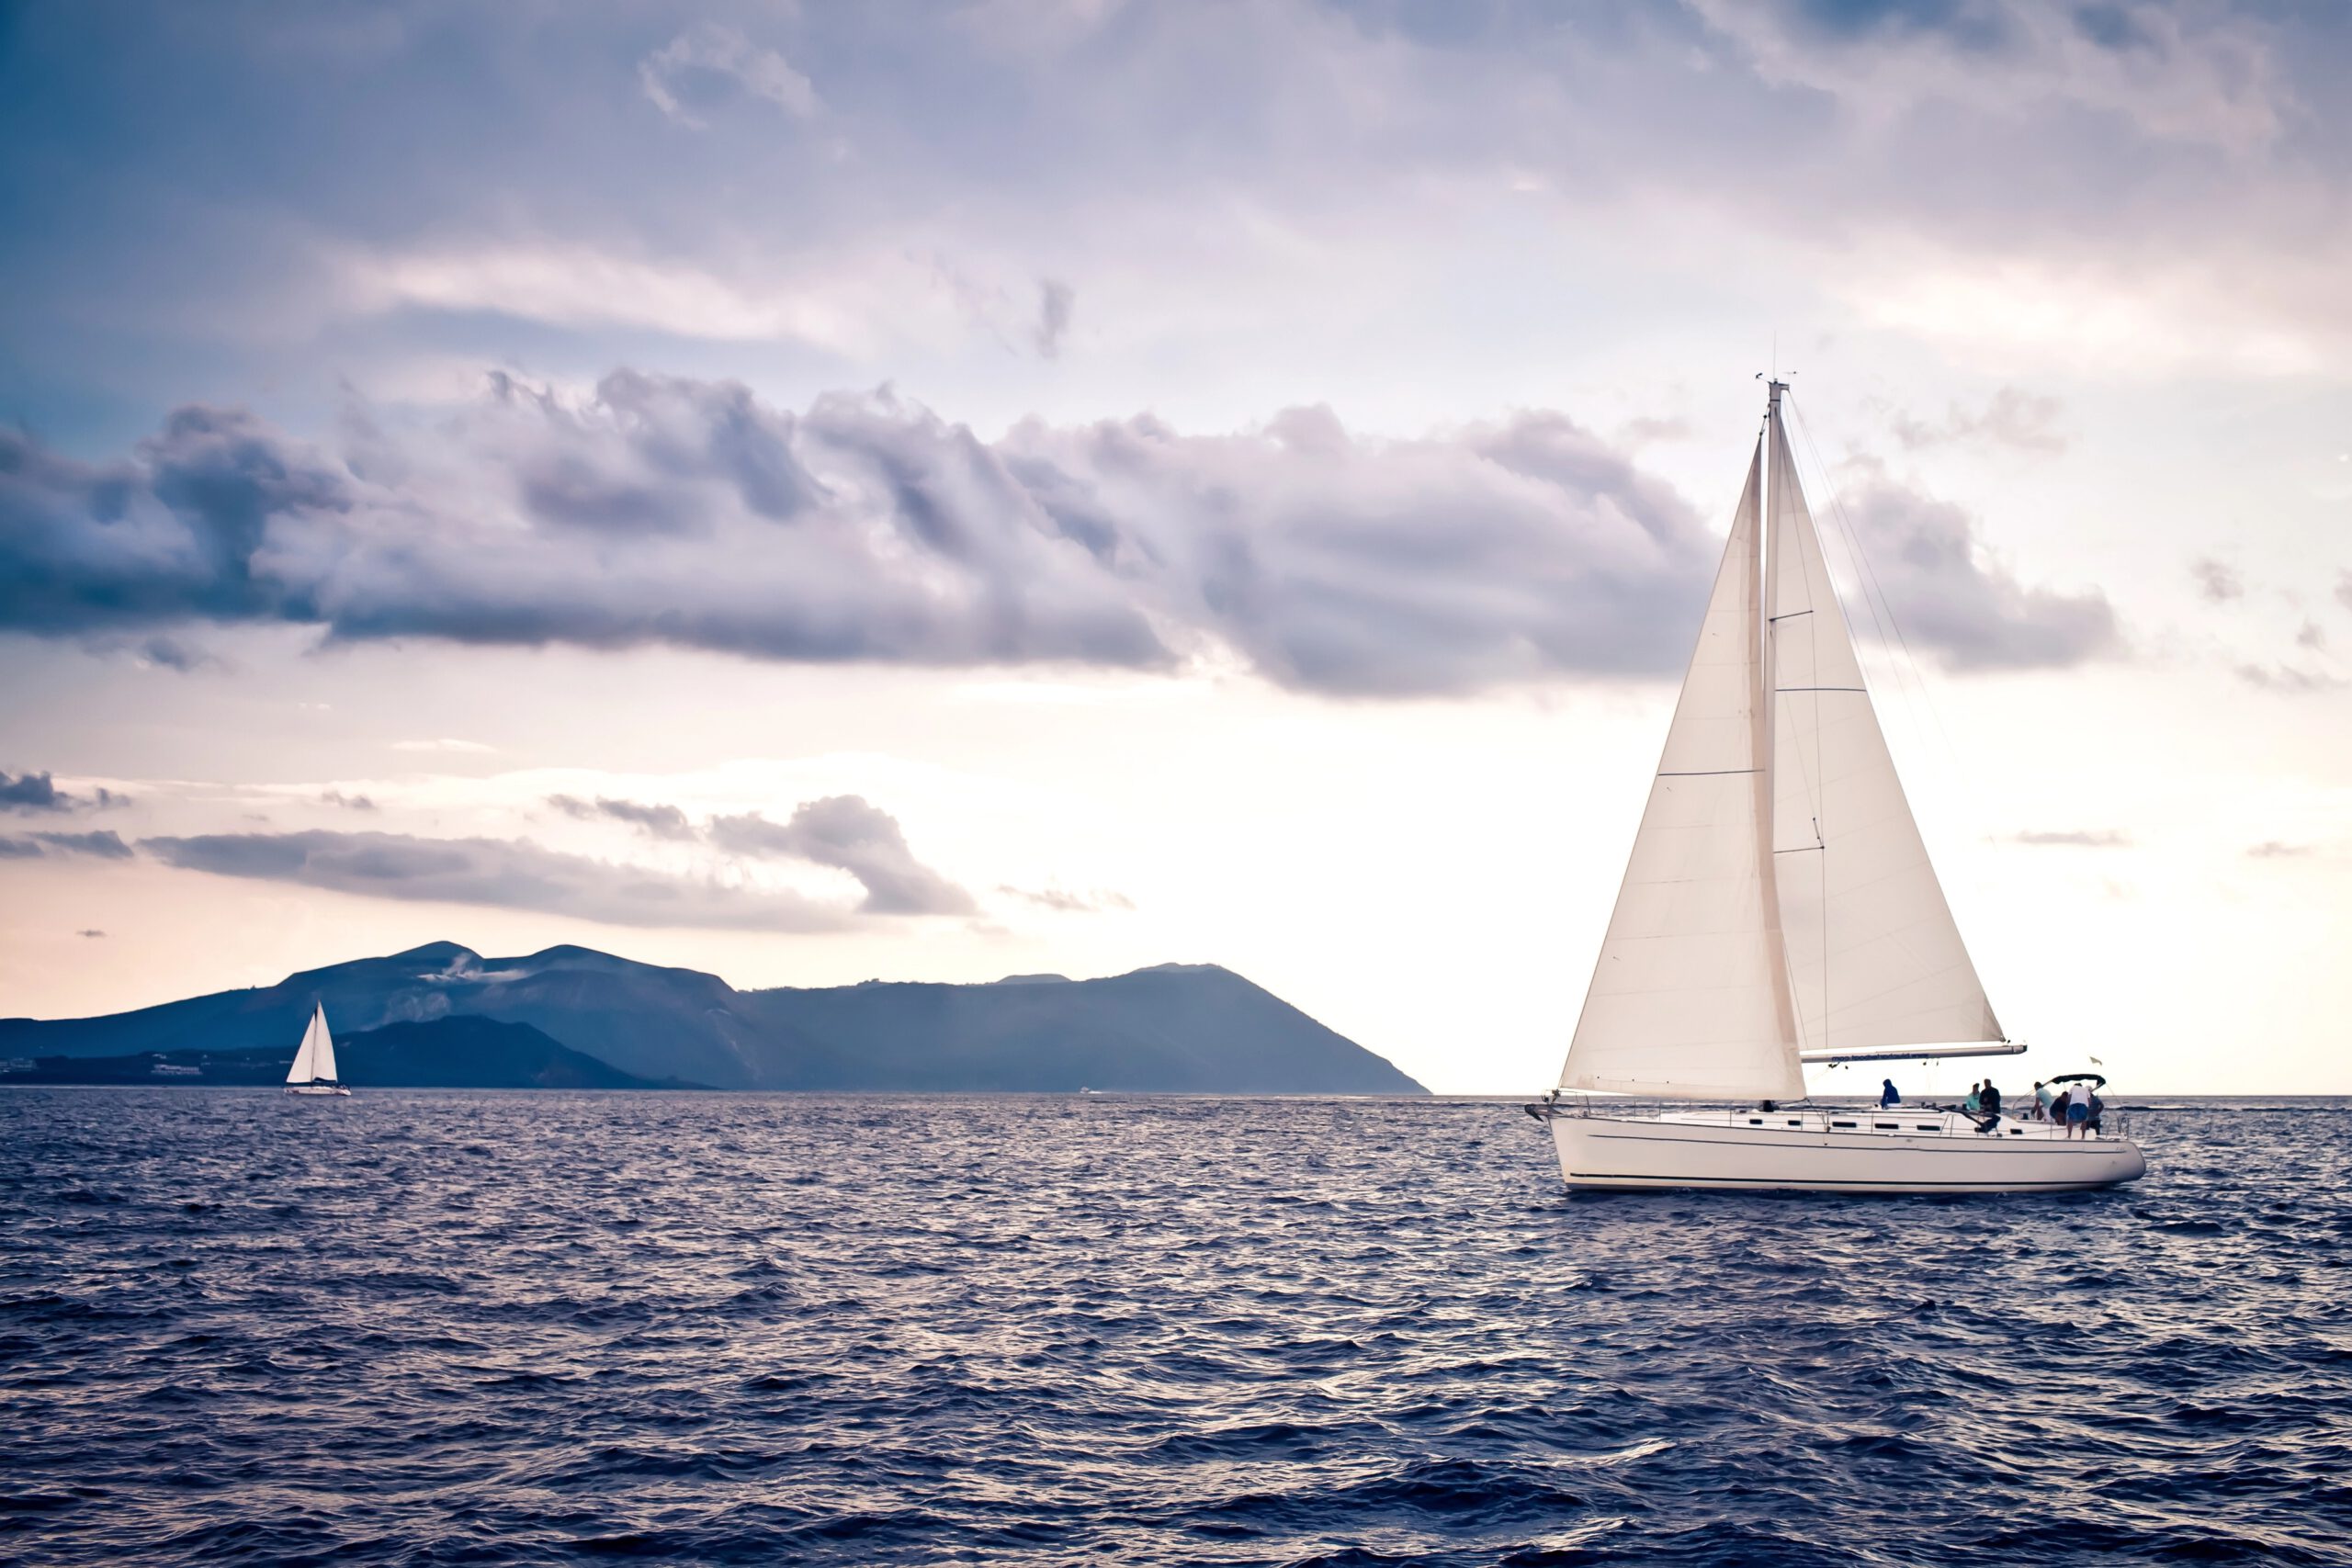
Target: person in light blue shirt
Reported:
[(1887, 1097)]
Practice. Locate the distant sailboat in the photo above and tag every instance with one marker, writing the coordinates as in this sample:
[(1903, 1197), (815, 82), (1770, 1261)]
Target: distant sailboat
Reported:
[(1779, 908), (314, 1068)]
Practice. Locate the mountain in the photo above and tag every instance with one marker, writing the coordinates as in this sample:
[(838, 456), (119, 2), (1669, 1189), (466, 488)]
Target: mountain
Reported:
[(1173, 1029), (448, 1052)]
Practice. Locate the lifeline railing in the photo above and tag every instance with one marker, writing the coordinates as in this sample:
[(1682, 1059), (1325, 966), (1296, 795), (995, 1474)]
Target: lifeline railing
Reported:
[(2111, 1123)]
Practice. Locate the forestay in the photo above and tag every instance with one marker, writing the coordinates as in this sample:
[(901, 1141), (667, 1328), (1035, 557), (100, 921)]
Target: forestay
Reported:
[(1689, 999)]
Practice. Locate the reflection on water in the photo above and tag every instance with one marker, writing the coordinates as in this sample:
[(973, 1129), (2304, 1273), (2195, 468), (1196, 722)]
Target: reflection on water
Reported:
[(412, 1327)]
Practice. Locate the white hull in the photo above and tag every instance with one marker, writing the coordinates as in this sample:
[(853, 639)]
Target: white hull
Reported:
[(1873, 1152), (318, 1089)]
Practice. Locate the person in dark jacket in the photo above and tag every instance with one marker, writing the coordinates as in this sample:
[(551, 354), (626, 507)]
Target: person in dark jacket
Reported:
[(1886, 1095)]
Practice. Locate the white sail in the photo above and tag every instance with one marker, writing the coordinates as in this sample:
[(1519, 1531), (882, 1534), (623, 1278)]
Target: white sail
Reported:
[(1689, 999), (315, 1060), (1874, 956), (322, 1064)]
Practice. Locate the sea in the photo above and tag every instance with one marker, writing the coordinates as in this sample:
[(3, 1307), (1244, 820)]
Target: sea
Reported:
[(534, 1327)]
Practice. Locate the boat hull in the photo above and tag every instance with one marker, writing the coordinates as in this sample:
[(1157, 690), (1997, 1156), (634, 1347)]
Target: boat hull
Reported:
[(328, 1088), (1730, 1154)]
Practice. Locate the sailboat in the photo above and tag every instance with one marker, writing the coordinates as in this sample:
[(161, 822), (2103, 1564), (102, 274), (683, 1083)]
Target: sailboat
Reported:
[(1779, 908), (314, 1068)]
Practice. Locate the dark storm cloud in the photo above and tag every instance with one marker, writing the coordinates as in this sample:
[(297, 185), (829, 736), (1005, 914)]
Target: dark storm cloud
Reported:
[(498, 872), (849, 834), (669, 510), (1949, 592), (657, 821)]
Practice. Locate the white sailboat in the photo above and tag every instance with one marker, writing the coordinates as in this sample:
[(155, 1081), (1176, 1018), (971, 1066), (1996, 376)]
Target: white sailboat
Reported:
[(1779, 908), (314, 1068)]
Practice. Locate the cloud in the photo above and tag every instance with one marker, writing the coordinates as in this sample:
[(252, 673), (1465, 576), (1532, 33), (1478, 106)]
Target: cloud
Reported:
[(497, 872), (2287, 679), (2077, 838), (471, 747), (1061, 901), (90, 932), (2344, 590), (2022, 421), (2312, 636), (348, 802), (684, 512), (657, 821), (848, 833), (2271, 849), (694, 72), (30, 792), (2216, 580), (170, 653), (1055, 301), (1949, 592), (2197, 75), (98, 846)]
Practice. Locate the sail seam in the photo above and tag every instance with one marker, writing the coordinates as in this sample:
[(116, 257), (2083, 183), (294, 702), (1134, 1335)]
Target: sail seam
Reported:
[(1705, 772)]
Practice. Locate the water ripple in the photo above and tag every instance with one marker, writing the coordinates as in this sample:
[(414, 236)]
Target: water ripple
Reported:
[(445, 1328)]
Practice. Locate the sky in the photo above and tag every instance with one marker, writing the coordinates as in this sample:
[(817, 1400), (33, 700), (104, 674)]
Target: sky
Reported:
[(817, 492)]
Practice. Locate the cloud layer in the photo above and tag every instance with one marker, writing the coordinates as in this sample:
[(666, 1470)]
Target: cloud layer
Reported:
[(844, 832), (681, 511), (501, 872)]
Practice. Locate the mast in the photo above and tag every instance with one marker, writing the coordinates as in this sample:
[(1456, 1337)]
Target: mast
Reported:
[(1766, 714)]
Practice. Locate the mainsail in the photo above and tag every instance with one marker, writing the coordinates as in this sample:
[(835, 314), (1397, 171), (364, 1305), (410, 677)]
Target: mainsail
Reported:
[(315, 1061), (1689, 999), (1778, 896)]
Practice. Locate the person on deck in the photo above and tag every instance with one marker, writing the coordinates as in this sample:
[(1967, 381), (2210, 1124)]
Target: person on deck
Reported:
[(2099, 1109), (1886, 1095), (1990, 1099), (1974, 1103), (2078, 1110), (2043, 1095)]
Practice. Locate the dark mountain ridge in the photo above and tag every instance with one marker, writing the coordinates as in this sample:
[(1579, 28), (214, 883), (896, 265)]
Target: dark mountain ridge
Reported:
[(1170, 1029), (447, 1052)]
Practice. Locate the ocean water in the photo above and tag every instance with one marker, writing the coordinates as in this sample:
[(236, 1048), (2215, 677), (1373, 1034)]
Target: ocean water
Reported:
[(453, 1327)]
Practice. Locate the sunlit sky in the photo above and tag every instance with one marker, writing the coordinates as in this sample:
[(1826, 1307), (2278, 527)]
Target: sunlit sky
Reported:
[(814, 493)]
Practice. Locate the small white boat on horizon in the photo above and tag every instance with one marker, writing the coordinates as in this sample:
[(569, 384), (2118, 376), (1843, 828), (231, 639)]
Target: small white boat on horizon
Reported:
[(314, 1068), (1779, 908)]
